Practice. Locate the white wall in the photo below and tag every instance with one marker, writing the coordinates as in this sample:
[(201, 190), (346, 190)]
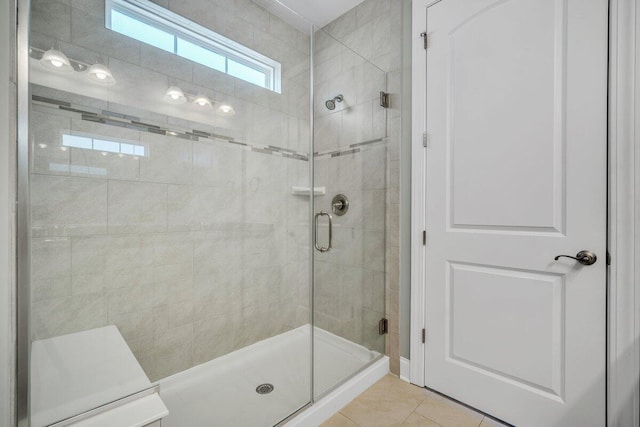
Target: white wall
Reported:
[(7, 138), (624, 214)]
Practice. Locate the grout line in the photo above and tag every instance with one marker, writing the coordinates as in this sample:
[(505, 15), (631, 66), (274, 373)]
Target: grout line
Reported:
[(344, 415)]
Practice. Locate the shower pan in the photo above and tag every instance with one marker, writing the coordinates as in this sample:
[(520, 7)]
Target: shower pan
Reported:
[(169, 243)]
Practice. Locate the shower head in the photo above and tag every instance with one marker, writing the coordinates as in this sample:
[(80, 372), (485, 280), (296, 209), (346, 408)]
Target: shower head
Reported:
[(331, 103)]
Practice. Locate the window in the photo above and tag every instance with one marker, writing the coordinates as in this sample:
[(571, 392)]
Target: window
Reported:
[(149, 23), (102, 145)]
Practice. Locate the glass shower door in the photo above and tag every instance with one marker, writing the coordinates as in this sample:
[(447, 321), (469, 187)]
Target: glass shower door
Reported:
[(170, 171), (350, 161)]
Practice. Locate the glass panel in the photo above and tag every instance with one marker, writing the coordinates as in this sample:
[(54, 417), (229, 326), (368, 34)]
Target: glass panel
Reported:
[(246, 73), (201, 55), (144, 32), (350, 142), (170, 243)]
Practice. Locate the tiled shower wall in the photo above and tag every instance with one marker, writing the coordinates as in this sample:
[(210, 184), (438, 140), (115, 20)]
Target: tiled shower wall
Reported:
[(358, 55), (197, 247)]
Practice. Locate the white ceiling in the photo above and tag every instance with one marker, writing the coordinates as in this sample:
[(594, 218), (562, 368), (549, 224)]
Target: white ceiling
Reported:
[(316, 12), (320, 12)]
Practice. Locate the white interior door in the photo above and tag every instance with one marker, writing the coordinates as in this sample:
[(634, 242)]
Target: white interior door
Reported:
[(515, 174)]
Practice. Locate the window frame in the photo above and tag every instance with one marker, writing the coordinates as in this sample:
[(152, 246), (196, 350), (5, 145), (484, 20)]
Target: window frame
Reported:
[(178, 26)]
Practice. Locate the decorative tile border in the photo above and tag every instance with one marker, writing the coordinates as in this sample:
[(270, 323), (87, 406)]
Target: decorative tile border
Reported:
[(111, 118), (351, 149)]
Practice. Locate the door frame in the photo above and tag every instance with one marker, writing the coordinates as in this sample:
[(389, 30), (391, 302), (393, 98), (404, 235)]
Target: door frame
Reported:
[(623, 242)]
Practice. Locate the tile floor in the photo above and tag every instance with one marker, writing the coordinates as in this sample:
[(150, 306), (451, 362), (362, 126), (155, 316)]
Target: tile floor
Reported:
[(393, 402)]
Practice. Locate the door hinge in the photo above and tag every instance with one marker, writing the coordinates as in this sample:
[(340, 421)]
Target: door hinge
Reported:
[(424, 139), (424, 335), (384, 100), (383, 326), (608, 258), (424, 37), (424, 237)]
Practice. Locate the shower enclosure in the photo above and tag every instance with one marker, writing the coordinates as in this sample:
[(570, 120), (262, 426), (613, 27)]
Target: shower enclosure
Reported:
[(200, 220)]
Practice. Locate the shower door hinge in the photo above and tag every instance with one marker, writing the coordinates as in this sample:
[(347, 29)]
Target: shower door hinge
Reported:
[(424, 139), (383, 326), (424, 37), (424, 237), (424, 335), (384, 99)]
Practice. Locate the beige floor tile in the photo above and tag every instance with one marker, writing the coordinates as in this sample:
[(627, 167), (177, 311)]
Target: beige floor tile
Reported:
[(488, 422), (389, 402), (448, 413), (417, 420), (339, 420)]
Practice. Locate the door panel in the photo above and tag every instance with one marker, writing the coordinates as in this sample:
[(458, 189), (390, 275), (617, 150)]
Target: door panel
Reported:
[(494, 343), (515, 175), (486, 106)]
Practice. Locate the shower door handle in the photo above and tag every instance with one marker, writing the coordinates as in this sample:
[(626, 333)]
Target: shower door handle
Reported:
[(320, 248)]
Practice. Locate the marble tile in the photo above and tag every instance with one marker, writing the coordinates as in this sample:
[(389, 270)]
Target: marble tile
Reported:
[(380, 34), (172, 315), (357, 124), (361, 40), (365, 12), (171, 64), (369, 81), (201, 11), (172, 352), (212, 338), (344, 25), (88, 31), (52, 18), (130, 299), (66, 315), (90, 163), (219, 166), (68, 206), (127, 253), (133, 325), (327, 132), (448, 413), (49, 157), (266, 173), (352, 59), (191, 208), (94, 7), (220, 82), (167, 159), (123, 279), (174, 248), (137, 207), (269, 127), (51, 268), (179, 289)]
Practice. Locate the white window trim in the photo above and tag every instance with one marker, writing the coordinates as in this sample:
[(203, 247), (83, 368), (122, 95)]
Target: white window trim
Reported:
[(182, 27)]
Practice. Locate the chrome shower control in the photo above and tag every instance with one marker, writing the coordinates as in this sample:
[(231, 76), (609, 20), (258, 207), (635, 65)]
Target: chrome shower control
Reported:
[(340, 204)]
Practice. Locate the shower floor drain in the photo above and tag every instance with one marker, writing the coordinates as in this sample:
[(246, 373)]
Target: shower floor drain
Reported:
[(264, 388)]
